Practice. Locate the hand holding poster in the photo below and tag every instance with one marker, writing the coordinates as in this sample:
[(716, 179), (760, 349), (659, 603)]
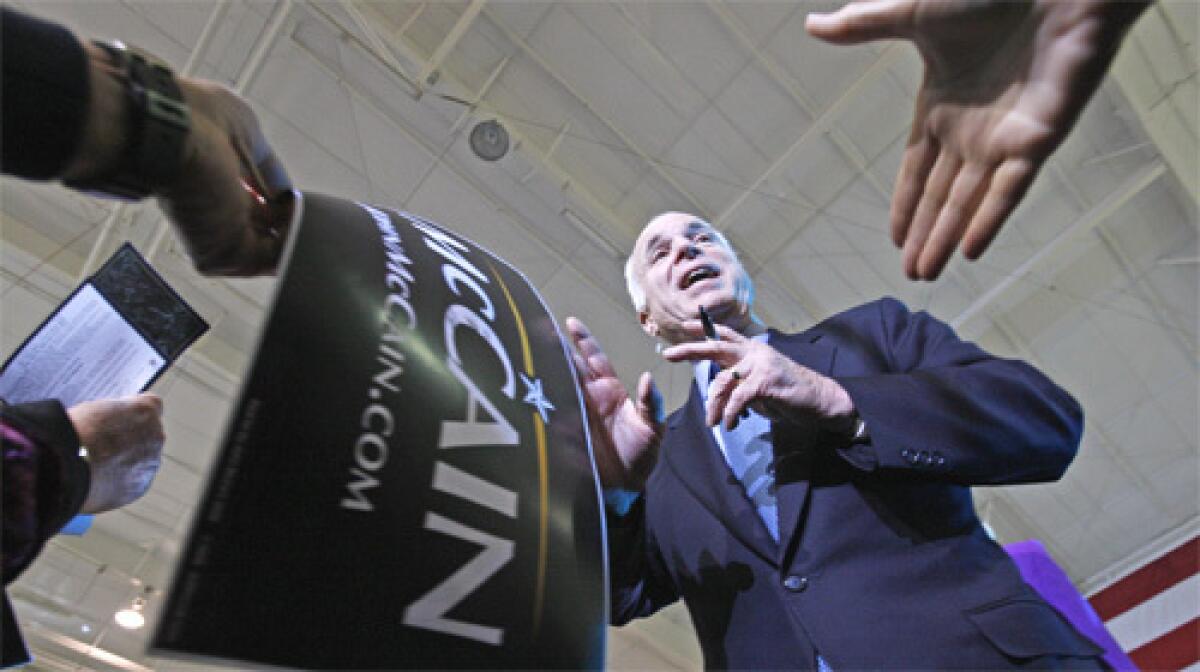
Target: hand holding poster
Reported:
[(406, 480)]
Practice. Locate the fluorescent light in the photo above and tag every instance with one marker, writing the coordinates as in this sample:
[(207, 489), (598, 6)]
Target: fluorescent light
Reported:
[(131, 617)]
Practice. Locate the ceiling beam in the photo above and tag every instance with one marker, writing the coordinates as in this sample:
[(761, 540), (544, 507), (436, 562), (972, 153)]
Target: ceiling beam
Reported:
[(1088, 221), (482, 93), (460, 28), (379, 46), (774, 70), (1144, 289), (1157, 117), (1164, 543), (818, 125), (410, 20), (206, 36), (785, 81)]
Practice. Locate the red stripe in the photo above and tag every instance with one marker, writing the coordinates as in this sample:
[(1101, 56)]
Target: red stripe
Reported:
[(1173, 651), (1148, 581)]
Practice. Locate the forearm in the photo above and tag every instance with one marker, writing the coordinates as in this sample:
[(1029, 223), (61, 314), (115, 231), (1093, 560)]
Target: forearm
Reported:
[(105, 132), (635, 590), (993, 422), (942, 408)]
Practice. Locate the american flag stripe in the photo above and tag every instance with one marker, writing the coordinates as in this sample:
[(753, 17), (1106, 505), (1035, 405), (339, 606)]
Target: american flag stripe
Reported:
[(1133, 589), (1154, 611), (1175, 650)]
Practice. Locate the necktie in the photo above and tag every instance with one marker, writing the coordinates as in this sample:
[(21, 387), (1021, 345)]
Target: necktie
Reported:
[(748, 451)]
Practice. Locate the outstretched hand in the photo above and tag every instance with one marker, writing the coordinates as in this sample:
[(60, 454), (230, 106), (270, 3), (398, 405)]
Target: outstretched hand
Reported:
[(625, 433), (232, 202), (1004, 83)]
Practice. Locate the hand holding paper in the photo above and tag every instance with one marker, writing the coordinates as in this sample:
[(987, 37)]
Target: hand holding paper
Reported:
[(124, 439)]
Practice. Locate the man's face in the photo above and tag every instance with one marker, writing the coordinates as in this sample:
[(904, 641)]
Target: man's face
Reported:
[(683, 265)]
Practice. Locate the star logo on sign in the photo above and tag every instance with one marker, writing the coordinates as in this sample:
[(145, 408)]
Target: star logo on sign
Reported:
[(534, 396)]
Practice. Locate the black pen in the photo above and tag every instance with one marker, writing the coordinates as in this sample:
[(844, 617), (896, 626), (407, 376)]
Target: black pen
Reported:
[(710, 330)]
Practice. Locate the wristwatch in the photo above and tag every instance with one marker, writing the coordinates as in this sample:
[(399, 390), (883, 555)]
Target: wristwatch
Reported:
[(158, 122)]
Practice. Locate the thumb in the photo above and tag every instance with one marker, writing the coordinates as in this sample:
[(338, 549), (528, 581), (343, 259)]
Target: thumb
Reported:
[(151, 401), (863, 22), (649, 401)]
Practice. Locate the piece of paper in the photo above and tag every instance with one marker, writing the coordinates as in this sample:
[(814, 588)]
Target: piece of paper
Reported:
[(86, 351), (111, 338)]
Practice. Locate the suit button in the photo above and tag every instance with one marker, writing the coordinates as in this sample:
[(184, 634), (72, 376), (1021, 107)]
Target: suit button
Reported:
[(796, 584)]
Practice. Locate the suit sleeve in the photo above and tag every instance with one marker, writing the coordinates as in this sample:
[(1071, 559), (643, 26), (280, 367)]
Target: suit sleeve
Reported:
[(45, 483), (948, 411), (45, 480), (638, 582)]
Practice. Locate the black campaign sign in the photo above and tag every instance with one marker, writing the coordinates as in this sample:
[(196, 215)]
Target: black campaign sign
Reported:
[(406, 480)]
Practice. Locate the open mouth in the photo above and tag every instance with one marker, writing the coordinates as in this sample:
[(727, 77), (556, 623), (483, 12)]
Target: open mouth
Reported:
[(699, 273)]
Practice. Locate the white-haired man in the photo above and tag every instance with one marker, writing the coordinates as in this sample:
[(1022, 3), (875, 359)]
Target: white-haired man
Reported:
[(812, 504)]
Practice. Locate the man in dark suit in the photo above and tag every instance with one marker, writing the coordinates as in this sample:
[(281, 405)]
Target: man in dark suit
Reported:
[(812, 506)]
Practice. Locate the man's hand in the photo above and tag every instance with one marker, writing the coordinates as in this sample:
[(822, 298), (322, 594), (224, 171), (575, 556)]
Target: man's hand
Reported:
[(753, 374), (124, 439), (1005, 80), (625, 434), (232, 201)]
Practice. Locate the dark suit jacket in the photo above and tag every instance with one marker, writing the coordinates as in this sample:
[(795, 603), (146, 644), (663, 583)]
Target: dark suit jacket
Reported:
[(882, 562)]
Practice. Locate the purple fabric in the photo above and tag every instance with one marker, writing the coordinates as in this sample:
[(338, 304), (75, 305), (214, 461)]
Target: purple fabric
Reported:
[(1048, 579)]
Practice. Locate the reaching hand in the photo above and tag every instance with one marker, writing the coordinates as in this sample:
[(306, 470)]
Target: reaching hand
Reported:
[(625, 434), (124, 439), (753, 374), (1004, 83), (232, 202)]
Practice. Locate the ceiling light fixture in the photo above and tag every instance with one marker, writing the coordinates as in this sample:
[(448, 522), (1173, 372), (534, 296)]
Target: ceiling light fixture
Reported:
[(489, 140), (131, 617)]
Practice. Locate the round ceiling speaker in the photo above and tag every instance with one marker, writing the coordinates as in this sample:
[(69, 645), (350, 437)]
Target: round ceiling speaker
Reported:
[(489, 140)]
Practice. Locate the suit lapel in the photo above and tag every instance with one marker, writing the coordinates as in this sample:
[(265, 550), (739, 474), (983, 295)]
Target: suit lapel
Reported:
[(692, 453), (795, 462)]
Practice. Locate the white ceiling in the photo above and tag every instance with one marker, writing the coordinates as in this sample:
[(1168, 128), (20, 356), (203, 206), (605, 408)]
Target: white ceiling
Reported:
[(617, 112)]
